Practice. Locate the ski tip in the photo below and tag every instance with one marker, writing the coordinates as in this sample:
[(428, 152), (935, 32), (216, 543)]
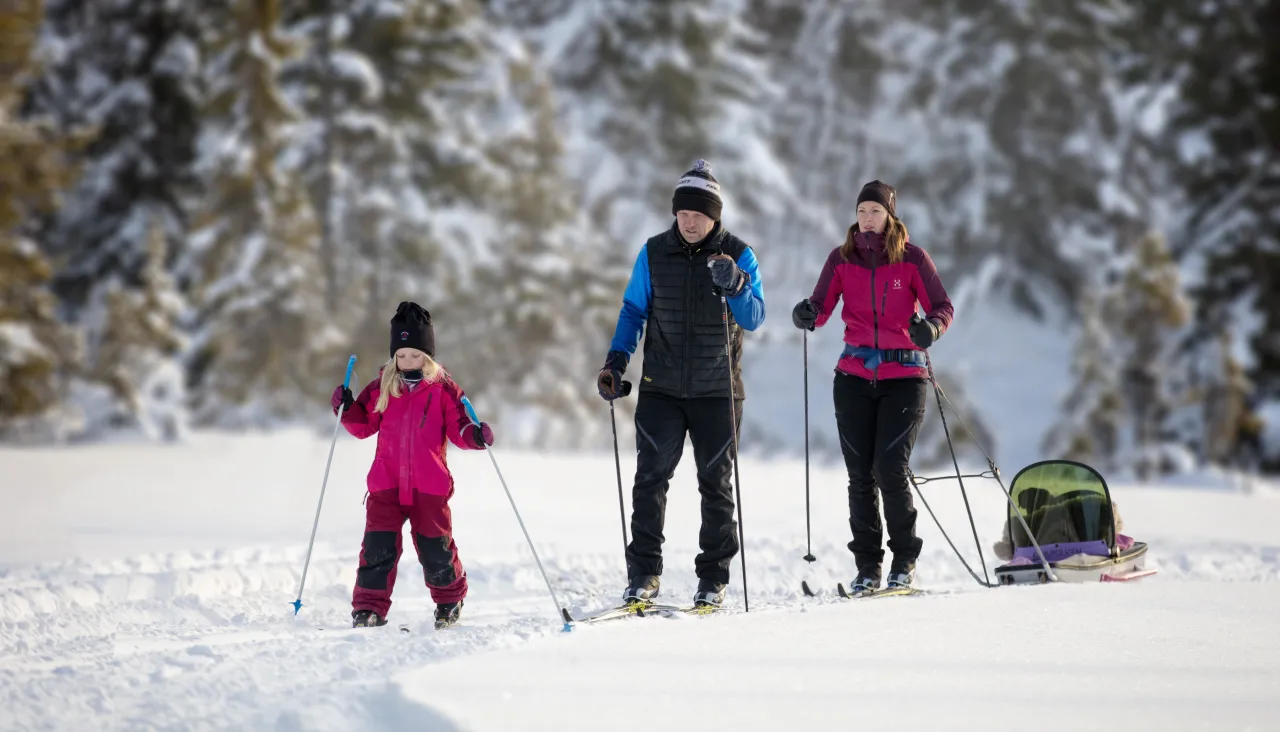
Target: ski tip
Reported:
[(568, 619), (804, 585), (404, 629)]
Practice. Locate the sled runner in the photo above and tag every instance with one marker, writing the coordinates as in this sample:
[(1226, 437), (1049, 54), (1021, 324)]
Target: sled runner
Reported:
[(1068, 509)]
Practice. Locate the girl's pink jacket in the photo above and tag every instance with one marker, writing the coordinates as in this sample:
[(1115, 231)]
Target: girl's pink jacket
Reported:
[(411, 436)]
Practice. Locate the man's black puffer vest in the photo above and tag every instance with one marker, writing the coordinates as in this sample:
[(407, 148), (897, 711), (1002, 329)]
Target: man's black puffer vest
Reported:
[(684, 353)]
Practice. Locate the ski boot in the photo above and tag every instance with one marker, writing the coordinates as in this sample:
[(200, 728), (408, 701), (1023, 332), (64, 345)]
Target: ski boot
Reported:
[(901, 575), (447, 614), (642, 589), (710, 594), (865, 583), (901, 580), (366, 619)]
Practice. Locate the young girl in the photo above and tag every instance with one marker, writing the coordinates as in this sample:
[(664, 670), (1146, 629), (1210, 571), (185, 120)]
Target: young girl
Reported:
[(412, 406), (880, 385)]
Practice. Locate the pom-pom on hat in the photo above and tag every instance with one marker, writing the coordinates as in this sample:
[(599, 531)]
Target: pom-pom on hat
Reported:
[(411, 328), (699, 191)]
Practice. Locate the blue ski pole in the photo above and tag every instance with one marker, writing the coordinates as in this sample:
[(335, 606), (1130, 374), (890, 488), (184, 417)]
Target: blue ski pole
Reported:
[(346, 383), (561, 612)]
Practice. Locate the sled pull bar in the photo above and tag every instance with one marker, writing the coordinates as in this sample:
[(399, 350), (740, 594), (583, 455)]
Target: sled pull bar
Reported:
[(984, 474)]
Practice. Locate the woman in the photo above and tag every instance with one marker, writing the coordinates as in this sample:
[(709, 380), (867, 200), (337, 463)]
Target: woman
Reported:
[(880, 380)]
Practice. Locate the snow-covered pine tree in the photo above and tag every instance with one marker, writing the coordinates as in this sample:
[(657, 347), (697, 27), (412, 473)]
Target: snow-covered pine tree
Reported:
[(37, 351), (647, 88), (1020, 102), (264, 349), (1147, 311), (554, 302), (409, 82), (1216, 416), (129, 70), (1093, 407), (1128, 387), (1229, 427), (449, 192), (1223, 129), (141, 344), (834, 120)]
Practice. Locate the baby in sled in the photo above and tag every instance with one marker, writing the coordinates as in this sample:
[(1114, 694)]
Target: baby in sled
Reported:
[(1004, 547)]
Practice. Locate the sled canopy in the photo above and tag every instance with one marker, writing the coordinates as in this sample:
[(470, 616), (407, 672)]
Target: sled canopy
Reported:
[(1068, 509)]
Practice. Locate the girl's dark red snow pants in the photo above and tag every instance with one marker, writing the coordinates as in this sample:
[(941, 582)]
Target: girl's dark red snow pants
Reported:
[(431, 526)]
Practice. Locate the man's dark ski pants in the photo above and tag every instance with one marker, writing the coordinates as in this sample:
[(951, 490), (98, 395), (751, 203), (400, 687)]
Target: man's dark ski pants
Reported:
[(878, 425), (661, 424)]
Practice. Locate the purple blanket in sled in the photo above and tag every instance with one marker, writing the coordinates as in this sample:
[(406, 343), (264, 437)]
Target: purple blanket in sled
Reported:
[(1058, 552)]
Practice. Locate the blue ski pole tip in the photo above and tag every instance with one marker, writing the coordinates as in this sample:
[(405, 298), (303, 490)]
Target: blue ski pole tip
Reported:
[(297, 605), (567, 628)]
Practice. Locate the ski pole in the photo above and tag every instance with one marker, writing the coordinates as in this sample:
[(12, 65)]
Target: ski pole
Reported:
[(561, 612), (808, 533), (937, 392), (733, 425), (346, 383), (617, 461)]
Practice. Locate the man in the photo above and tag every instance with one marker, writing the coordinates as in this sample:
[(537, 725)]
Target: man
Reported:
[(675, 291)]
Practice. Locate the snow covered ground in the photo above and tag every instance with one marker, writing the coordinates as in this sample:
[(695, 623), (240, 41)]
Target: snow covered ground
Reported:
[(148, 588)]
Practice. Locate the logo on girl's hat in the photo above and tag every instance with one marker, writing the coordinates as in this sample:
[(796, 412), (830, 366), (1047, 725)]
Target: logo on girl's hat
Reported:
[(404, 335)]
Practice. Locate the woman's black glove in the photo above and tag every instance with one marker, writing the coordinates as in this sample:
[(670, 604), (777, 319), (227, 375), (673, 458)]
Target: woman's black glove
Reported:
[(805, 315), (923, 332)]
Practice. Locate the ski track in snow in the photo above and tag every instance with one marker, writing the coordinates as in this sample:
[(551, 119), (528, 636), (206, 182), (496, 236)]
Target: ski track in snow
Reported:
[(177, 634), (206, 640)]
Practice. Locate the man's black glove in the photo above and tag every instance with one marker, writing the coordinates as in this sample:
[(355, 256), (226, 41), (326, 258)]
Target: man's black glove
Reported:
[(923, 332), (805, 315), (725, 274), (609, 381)]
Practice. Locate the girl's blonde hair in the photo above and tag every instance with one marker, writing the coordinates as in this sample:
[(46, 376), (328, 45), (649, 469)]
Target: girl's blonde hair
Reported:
[(895, 240), (391, 380)]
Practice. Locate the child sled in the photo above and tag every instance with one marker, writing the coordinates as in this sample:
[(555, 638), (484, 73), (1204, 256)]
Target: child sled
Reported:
[(1062, 525)]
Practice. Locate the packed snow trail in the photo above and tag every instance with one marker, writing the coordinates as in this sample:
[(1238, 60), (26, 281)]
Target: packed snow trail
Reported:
[(209, 641), (150, 588), (205, 642), (1061, 657)]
